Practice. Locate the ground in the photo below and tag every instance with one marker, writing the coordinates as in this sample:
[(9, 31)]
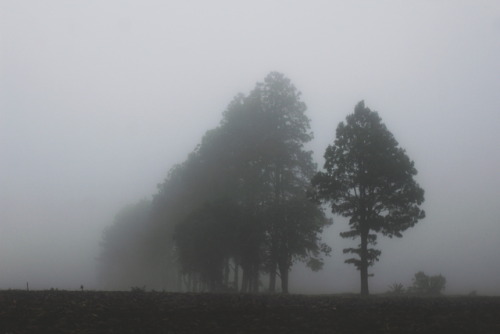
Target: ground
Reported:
[(56, 311)]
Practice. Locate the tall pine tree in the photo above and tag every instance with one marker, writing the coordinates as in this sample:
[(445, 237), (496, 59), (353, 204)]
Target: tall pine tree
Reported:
[(369, 179)]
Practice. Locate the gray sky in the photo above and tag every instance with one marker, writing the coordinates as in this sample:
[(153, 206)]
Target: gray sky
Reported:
[(98, 99)]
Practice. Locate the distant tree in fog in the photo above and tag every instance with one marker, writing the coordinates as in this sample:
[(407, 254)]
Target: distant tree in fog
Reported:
[(427, 285), (369, 179), (123, 259), (269, 129), (136, 251)]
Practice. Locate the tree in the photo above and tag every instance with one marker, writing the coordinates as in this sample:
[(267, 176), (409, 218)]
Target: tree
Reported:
[(427, 285), (369, 179), (273, 129), (187, 207), (126, 259)]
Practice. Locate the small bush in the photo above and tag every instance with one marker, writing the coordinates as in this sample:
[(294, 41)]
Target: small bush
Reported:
[(137, 289), (396, 289)]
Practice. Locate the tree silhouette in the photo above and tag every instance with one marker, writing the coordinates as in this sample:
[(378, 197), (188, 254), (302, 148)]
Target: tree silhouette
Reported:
[(369, 179), (427, 285), (272, 129), (125, 259)]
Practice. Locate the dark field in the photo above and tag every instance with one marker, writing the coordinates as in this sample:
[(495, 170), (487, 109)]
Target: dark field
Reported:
[(156, 312)]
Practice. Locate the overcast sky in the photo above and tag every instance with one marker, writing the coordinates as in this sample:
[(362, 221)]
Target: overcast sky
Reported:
[(99, 99)]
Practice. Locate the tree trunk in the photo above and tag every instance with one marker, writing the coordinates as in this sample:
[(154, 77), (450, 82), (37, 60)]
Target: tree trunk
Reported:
[(255, 286), (189, 285), (195, 283), (244, 280), (225, 282), (236, 277), (250, 282), (179, 282), (363, 267), (272, 278), (284, 270)]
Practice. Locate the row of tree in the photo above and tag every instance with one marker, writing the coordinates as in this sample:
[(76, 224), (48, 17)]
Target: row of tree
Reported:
[(247, 201), (238, 205)]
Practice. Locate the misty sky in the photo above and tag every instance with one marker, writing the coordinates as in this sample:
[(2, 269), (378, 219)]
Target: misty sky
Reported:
[(100, 98)]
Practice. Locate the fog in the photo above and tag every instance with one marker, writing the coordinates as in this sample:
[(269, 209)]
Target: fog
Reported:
[(99, 99)]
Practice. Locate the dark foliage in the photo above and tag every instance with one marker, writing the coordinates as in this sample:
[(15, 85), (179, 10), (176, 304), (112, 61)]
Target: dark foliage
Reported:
[(369, 179)]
